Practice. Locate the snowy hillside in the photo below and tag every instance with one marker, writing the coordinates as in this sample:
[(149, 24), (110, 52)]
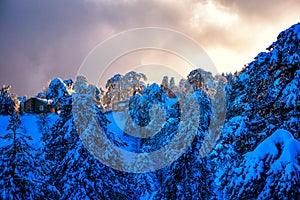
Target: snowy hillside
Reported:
[(262, 98), (233, 136), (31, 125)]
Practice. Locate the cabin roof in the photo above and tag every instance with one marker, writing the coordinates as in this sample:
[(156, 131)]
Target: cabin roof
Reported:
[(45, 101)]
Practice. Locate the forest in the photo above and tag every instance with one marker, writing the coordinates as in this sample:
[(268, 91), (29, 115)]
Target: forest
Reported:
[(240, 141)]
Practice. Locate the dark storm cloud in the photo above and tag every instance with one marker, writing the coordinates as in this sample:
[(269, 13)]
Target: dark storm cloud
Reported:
[(45, 39)]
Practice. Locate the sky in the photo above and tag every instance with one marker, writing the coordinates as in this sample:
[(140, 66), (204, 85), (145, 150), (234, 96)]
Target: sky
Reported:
[(41, 40)]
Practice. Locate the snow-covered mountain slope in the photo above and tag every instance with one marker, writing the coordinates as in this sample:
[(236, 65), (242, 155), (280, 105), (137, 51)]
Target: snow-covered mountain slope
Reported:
[(256, 156), (262, 98), (268, 89)]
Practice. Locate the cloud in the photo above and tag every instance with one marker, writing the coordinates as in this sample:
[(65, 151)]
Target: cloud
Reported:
[(45, 39), (211, 14)]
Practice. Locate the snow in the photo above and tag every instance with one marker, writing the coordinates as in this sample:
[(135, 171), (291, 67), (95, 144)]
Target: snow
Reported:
[(30, 124), (290, 153), (57, 90), (117, 126), (269, 147), (171, 101), (257, 157), (280, 145), (276, 158)]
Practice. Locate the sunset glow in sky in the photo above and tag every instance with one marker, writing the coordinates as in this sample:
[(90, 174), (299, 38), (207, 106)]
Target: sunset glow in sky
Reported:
[(41, 40)]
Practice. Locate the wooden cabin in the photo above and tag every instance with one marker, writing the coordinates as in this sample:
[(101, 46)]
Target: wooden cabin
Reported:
[(38, 105)]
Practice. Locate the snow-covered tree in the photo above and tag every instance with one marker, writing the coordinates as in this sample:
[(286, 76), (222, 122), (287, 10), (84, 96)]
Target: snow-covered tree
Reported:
[(20, 177), (69, 84), (123, 87), (79, 175), (272, 170), (146, 114), (132, 82), (190, 175), (22, 104), (45, 165), (8, 101), (165, 82), (58, 92), (145, 184), (62, 135), (172, 85), (262, 98)]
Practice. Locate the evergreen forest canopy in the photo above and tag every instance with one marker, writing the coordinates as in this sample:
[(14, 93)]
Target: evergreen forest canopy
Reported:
[(245, 146)]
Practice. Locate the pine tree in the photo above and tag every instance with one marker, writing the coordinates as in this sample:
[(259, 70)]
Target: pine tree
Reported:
[(189, 177), (270, 171), (45, 165), (8, 101), (19, 175), (79, 174), (58, 92), (62, 135), (260, 99)]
